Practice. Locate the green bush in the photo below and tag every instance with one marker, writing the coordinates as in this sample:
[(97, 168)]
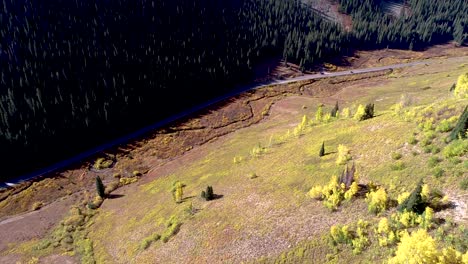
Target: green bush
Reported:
[(444, 126), (435, 150), (427, 149), (172, 229), (464, 184), (149, 240), (399, 165), (102, 163), (396, 155), (426, 142), (412, 140), (430, 135), (377, 201), (433, 161), (438, 172), (456, 148)]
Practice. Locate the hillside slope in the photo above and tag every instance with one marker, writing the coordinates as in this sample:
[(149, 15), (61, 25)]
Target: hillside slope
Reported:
[(262, 175)]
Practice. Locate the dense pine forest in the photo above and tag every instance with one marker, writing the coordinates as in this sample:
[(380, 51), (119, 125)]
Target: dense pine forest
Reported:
[(74, 74)]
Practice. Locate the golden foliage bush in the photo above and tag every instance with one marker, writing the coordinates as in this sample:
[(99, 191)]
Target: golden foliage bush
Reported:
[(461, 88), (343, 155), (377, 201)]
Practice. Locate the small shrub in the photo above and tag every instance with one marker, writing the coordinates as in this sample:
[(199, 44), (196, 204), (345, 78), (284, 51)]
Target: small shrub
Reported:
[(430, 135), (426, 142), (319, 114), (396, 155), (402, 197), (398, 165), (351, 192), (435, 150), (419, 247), (456, 148), (258, 151), (455, 160), (427, 125), (340, 234), (253, 175), (149, 240), (412, 140), (427, 219), (377, 201), (345, 113), (102, 163), (343, 155), (136, 173), (408, 219), (360, 113), (444, 126), (464, 184), (433, 161), (37, 205), (111, 187), (125, 180), (461, 88), (427, 149), (237, 159), (172, 229), (177, 191), (438, 172), (316, 193)]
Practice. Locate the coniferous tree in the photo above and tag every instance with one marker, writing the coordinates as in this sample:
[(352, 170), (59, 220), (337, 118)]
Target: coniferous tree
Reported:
[(209, 195), (414, 202), (369, 111), (322, 150), (335, 110), (461, 127), (100, 187)]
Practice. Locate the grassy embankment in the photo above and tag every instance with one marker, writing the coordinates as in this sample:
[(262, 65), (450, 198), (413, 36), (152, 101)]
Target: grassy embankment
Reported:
[(264, 174)]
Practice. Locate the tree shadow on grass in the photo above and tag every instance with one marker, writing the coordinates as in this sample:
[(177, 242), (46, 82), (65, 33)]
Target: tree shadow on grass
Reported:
[(186, 198), (217, 196), (114, 196), (329, 153)]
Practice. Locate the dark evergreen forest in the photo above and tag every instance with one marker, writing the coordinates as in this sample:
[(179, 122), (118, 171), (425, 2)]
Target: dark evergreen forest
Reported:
[(76, 73)]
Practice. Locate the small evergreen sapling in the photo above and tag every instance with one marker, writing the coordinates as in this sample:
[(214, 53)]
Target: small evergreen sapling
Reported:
[(335, 110), (100, 187), (414, 203), (208, 194), (322, 150)]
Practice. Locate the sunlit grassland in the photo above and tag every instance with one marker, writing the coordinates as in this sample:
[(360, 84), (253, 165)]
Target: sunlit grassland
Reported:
[(270, 217), (286, 170)]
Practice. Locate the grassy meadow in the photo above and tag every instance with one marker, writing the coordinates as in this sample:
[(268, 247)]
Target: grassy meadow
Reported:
[(261, 176)]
